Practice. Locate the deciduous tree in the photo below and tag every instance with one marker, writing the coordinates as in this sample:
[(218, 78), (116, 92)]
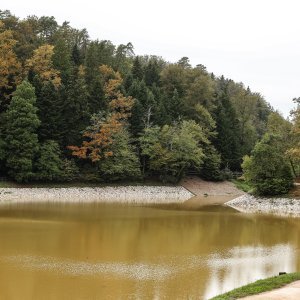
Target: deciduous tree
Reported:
[(10, 67), (41, 64)]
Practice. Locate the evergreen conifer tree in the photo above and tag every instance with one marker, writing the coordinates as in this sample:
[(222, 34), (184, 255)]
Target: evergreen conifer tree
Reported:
[(21, 133)]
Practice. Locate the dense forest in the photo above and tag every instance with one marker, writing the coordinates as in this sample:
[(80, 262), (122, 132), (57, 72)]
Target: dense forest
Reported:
[(72, 108)]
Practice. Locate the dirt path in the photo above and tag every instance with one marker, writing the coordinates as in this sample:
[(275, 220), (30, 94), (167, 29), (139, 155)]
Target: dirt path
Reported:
[(288, 292)]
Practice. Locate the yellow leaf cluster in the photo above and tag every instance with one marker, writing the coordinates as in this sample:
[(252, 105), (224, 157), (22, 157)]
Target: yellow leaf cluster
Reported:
[(41, 64)]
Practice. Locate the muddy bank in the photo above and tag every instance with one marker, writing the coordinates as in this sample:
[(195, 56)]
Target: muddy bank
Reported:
[(121, 194), (278, 206), (200, 187)]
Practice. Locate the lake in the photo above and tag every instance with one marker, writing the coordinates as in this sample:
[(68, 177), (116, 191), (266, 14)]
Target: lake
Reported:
[(101, 251)]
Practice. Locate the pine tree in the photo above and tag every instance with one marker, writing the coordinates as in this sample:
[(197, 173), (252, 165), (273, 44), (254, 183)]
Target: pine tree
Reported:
[(21, 133), (152, 73), (62, 59), (75, 112), (227, 142), (49, 112), (174, 106), (136, 121), (96, 97), (137, 70)]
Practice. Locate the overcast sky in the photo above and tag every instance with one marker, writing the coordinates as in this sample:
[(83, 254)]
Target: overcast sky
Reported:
[(256, 42)]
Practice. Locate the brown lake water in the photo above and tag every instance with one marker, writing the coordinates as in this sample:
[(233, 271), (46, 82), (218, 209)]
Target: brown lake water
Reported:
[(98, 251)]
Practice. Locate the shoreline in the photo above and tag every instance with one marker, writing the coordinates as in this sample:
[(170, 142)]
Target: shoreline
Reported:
[(120, 194), (193, 191), (276, 206)]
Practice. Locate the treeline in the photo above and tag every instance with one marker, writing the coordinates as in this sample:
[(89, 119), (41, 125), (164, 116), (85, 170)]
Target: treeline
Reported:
[(75, 108)]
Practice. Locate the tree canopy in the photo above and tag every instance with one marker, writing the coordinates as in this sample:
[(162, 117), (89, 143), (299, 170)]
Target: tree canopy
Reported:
[(71, 106)]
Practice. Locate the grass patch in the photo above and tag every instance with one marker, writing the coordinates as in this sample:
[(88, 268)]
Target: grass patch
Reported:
[(259, 286), (242, 185)]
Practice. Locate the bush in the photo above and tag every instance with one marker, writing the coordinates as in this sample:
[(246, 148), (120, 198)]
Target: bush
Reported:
[(226, 174), (274, 186)]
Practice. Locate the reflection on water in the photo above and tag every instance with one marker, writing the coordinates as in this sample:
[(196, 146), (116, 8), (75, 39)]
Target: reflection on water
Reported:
[(242, 265), (93, 251), (135, 271)]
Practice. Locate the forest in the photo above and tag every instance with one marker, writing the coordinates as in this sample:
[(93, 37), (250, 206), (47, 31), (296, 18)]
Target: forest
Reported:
[(77, 109)]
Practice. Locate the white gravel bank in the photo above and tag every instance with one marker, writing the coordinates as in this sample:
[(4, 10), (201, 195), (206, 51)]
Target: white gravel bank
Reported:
[(278, 206), (121, 194)]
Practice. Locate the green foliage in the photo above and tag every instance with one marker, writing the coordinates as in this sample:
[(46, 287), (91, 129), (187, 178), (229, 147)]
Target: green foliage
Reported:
[(251, 110), (137, 70), (268, 169), (152, 71), (75, 110), (21, 137), (228, 129), (174, 106), (2, 155), (49, 111), (2, 149), (210, 169), (48, 165), (171, 150), (62, 57), (124, 162), (69, 170), (182, 117), (242, 185)]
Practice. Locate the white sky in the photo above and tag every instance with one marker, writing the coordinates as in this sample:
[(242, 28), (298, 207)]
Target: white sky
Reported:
[(253, 41)]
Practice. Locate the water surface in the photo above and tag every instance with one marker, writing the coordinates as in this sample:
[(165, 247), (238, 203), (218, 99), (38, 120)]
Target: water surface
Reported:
[(98, 251)]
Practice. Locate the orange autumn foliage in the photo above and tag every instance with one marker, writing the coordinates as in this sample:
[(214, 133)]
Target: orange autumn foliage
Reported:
[(100, 134)]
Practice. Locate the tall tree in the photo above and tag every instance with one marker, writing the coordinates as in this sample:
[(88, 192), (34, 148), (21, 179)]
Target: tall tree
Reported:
[(21, 133), (137, 69), (152, 71), (75, 109), (49, 106), (227, 142)]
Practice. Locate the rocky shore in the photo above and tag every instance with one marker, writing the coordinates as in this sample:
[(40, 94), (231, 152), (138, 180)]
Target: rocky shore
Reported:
[(120, 194), (278, 206)]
